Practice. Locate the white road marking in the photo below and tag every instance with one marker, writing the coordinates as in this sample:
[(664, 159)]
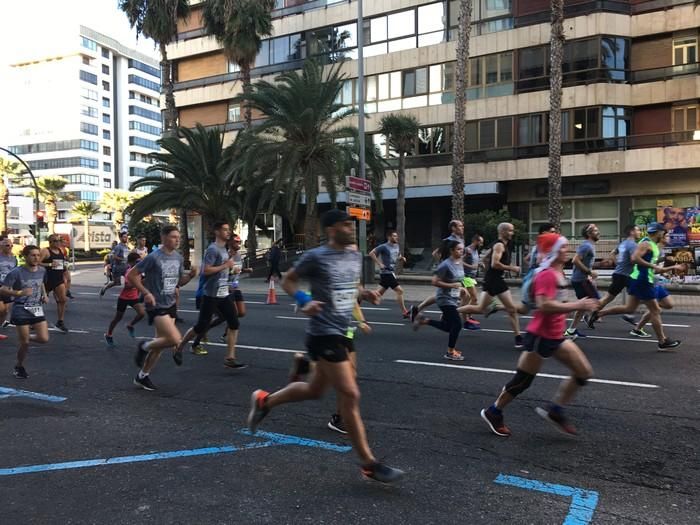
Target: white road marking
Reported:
[(370, 322), (246, 301), (502, 371), (52, 329), (587, 336), (264, 348)]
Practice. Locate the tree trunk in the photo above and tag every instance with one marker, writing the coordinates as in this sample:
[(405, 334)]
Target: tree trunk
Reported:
[(51, 214), (310, 219), (184, 237), (401, 205), (464, 31), (252, 248), (247, 113), (4, 201), (170, 113), (86, 233), (555, 79)]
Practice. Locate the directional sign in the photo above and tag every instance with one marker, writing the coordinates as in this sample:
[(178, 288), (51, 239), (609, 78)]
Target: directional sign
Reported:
[(357, 184), (360, 199), (360, 213)]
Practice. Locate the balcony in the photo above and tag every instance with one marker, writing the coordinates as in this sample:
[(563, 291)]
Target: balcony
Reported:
[(664, 73)]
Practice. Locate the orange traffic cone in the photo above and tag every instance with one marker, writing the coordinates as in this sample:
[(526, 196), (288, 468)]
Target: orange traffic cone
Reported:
[(271, 293)]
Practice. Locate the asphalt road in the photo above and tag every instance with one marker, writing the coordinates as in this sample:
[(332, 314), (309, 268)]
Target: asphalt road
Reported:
[(182, 456)]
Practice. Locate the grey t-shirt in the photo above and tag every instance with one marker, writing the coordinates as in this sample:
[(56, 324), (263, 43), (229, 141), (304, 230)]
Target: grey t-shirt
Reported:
[(122, 251), (586, 253), (388, 253), (624, 264), (334, 276), (20, 278), (449, 271), (216, 284), (471, 256), (235, 273), (7, 264), (162, 273)]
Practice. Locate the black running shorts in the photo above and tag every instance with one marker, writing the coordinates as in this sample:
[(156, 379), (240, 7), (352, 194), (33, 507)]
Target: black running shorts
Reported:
[(157, 312), (388, 280), (331, 348), (123, 304), (495, 286), (544, 347), (619, 283)]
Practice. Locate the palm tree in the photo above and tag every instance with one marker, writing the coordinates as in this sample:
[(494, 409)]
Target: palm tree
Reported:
[(192, 174), (157, 19), (302, 137), (84, 211), (9, 169), (116, 202), (463, 35), (239, 25), (401, 132), (50, 188), (555, 92)]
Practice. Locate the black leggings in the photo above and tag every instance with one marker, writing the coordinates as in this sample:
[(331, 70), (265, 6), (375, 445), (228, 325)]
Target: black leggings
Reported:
[(451, 322), (210, 305)]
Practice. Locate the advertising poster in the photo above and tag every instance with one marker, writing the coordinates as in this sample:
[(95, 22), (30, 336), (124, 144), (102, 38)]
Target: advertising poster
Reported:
[(675, 223), (692, 219), (643, 217)]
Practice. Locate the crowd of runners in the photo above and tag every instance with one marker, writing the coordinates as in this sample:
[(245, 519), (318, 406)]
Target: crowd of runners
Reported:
[(151, 283)]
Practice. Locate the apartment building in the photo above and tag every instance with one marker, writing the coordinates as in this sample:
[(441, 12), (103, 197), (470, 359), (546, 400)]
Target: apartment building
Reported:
[(630, 138), (86, 109)]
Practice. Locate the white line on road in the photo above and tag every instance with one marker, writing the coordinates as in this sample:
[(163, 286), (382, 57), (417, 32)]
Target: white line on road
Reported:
[(69, 331), (264, 348), (371, 323), (569, 319), (502, 371), (587, 337)]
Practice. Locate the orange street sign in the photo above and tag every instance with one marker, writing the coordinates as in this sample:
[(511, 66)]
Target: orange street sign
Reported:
[(360, 213)]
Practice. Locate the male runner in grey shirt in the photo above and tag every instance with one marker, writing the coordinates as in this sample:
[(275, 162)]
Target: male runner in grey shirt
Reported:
[(119, 254), (386, 256)]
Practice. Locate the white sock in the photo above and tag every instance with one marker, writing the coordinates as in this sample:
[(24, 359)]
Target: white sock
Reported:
[(142, 374)]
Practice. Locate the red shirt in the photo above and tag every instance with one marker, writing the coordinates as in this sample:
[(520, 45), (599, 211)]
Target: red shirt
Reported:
[(551, 284), (129, 293)]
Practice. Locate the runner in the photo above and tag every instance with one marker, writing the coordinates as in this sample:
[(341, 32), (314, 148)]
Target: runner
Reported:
[(141, 249), (439, 254), (543, 339), (334, 274), (471, 263), (26, 285), (129, 296), (119, 254), (385, 256), (67, 277), (583, 276), (215, 299), (498, 260), (448, 280), (54, 260), (163, 270), (8, 262), (623, 269), (642, 287)]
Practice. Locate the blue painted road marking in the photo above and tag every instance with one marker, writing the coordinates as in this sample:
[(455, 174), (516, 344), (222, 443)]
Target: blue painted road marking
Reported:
[(583, 502), (12, 392), (272, 441)]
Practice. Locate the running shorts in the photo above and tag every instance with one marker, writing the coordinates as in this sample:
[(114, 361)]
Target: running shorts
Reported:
[(619, 283), (495, 286), (53, 282), (123, 304), (158, 312), (642, 290), (388, 280), (237, 296), (543, 346), (661, 292), (585, 289), (331, 348)]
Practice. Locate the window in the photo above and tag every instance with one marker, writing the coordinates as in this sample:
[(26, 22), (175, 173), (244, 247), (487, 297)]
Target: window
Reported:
[(106, 118), (107, 166), (88, 94), (616, 122), (431, 24), (105, 52), (106, 150), (685, 118), (144, 143), (45, 147), (87, 43), (68, 162), (105, 69), (532, 129), (106, 134), (685, 51), (88, 111), (234, 112), (140, 126), (137, 172), (107, 183), (615, 55), (435, 140), (105, 102), (415, 82), (585, 123), (88, 180), (401, 24), (91, 129), (533, 62), (86, 60), (88, 144), (496, 133), (490, 76), (154, 71), (148, 84), (105, 85), (140, 157), (153, 115)]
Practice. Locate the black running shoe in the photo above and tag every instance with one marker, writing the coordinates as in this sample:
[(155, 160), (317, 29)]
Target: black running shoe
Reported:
[(69, 295), (20, 373), (336, 423), (412, 313), (669, 344), (232, 363), (382, 473), (629, 319), (144, 383), (141, 354), (258, 410), (558, 421), (103, 290), (519, 343), (495, 422), (592, 318), (60, 325), (177, 357)]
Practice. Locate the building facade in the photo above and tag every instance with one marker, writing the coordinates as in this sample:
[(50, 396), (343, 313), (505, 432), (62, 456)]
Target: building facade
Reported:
[(630, 100), (87, 110)]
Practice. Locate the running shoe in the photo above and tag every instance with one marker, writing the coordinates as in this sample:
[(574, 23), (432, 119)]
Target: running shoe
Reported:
[(492, 309), (6, 324), (103, 290), (418, 322), (258, 410), (20, 372), (382, 473), (300, 367), (141, 354), (640, 333), (144, 383), (199, 350), (61, 326), (669, 344), (558, 421), (469, 324), (109, 340), (336, 423), (232, 363), (69, 295), (519, 343), (177, 357), (3, 337), (223, 339), (131, 330), (495, 422), (413, 313), (454, 356), (406, 314), (591, 319), (573, 334), (629, 319)]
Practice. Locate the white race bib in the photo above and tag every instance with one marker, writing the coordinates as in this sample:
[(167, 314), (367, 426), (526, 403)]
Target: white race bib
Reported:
[(36, 311), (169, 285), (344, 299), (57, 264), (454, 292), (222, 290)]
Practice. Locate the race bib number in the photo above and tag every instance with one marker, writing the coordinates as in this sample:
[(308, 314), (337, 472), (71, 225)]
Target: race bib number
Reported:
[(222, 290), (36, 311), (57, 264), (454, 292), (344, 300), (169, 284)]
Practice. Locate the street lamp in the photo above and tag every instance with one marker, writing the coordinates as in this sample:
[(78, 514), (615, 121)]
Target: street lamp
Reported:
[(36, 193)]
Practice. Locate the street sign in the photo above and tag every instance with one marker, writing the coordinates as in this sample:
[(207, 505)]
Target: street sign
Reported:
[(360, 213), (359, 199), (357, 184)]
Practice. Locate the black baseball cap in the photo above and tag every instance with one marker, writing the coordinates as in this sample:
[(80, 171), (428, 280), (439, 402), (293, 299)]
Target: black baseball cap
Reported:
[(331, 217)]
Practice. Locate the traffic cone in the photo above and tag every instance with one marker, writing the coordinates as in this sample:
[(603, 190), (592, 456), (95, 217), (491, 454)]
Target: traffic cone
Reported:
[(271, 293)]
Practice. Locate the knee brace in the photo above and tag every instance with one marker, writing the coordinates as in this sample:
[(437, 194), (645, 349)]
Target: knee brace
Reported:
[(581, 381), (521, 381)]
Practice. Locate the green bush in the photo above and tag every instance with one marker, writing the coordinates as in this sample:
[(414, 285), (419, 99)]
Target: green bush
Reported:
[(485, 223)]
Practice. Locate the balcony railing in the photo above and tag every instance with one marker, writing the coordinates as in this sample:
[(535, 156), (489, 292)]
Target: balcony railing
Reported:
[(664, 73)]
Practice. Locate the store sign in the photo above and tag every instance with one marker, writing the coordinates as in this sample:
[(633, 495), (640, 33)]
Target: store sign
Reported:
[(99, 236)]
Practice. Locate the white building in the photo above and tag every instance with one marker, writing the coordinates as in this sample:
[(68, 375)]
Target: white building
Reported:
[(87, 110)]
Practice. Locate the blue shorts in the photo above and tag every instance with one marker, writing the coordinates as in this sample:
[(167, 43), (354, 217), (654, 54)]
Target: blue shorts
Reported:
[(642, 290), (661, 292)]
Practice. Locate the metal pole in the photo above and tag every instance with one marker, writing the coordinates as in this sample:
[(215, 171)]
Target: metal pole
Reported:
[(36, 193), (361, 113)]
